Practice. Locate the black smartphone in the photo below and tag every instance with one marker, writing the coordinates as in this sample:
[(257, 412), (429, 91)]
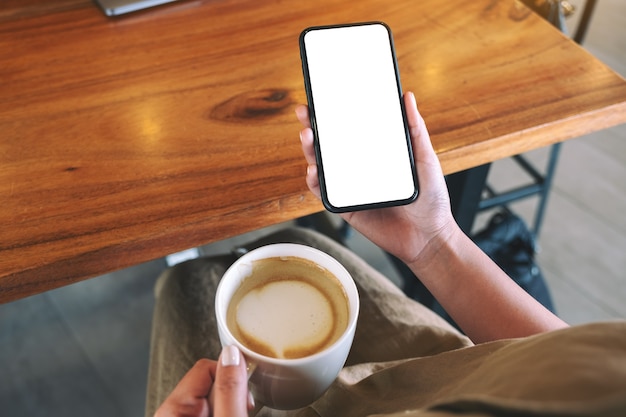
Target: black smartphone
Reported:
[(362, 143)]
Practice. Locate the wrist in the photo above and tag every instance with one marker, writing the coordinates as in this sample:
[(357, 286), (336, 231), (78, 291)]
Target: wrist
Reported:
[(437, 249)]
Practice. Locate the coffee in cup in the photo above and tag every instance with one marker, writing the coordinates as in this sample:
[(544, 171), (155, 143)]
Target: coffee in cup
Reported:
[(288, 308)]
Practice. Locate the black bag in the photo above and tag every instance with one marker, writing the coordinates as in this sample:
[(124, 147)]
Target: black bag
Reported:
[(510, 244)]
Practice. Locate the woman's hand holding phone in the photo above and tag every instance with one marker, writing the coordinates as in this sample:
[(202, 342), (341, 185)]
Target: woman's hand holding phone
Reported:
[(404, 231)]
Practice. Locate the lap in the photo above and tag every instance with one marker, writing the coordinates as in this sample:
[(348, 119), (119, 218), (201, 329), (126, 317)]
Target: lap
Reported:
[(390, 327)]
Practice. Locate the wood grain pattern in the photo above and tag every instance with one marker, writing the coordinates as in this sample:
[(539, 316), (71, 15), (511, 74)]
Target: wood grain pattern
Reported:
[(122, 140)]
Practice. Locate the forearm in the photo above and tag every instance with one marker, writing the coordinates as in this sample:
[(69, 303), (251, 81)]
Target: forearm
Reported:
[(478, 295)]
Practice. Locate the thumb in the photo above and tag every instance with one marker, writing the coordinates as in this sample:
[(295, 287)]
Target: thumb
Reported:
[(419, 133), (229, 396), (428, 166)]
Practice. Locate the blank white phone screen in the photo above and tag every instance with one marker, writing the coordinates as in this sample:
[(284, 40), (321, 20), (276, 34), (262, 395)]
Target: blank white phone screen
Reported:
[(356, 105)]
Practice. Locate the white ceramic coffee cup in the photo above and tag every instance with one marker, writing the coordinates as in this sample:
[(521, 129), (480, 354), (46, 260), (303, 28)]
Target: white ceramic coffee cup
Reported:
[(288, 383)]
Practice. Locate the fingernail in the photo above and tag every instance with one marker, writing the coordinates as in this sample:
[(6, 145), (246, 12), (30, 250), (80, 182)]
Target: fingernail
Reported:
[(250, 400), (300, 136), (230, 356)]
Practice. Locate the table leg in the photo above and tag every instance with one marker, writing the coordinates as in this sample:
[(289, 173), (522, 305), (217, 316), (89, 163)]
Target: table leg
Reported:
[(465, 190)]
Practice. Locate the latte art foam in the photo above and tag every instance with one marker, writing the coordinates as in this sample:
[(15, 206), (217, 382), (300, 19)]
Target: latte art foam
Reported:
[(286, 317), (288, 308)]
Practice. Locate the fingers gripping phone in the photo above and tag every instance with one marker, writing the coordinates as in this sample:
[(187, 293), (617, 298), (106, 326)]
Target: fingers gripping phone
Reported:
[(362, 141)]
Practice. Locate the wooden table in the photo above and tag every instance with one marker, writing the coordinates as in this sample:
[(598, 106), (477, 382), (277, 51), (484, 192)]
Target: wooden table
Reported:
[(123, 140)]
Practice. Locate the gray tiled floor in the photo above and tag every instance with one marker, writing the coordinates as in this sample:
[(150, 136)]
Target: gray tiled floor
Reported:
[(83, 349)]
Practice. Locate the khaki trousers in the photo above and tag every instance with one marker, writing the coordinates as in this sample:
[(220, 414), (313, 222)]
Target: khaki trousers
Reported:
[(405, 359)]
